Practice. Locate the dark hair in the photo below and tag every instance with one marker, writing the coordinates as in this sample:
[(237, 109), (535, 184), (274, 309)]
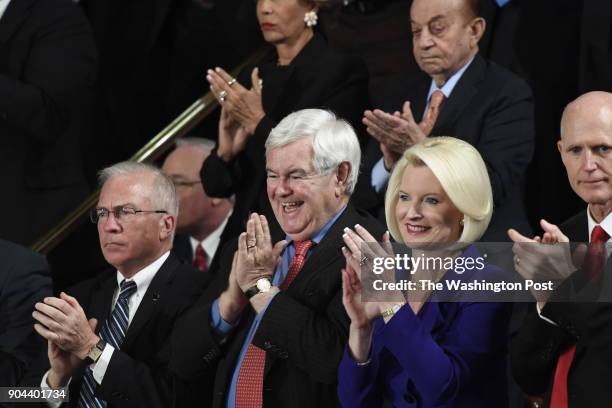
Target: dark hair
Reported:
[(473, 8)]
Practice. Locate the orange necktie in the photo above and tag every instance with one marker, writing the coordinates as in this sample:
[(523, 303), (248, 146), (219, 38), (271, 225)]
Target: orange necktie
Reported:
[(249, 388)]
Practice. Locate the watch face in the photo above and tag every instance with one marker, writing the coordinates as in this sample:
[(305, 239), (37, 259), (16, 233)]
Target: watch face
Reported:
[(263, 285)]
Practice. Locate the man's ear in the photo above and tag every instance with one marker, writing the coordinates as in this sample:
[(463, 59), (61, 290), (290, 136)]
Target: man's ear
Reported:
[(167, 224), (477, 29), (342, 176)]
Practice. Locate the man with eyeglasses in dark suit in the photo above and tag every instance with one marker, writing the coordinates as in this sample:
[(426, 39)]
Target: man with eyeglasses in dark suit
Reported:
[(108, 336)]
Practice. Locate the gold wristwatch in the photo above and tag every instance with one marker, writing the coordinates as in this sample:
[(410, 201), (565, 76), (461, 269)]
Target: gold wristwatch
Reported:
[(392, 310), (96, 352)]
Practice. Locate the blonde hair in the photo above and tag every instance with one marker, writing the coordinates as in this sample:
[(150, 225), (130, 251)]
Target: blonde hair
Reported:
[(462, 174)]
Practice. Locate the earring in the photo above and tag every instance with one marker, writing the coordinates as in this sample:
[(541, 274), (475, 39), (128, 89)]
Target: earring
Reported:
[(461, 222), (310, 18)]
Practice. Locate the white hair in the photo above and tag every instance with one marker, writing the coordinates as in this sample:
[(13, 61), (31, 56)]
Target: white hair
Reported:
[(206, 145), (333, 141), (163, 194), (463, 175)]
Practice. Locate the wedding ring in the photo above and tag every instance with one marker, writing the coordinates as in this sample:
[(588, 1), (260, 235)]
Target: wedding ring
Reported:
[(222, 96), (232, 81), (517, 260)]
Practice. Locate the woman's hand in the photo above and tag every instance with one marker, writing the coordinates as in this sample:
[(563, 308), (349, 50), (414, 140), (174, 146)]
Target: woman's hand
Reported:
[(232, 137), (243, 105)]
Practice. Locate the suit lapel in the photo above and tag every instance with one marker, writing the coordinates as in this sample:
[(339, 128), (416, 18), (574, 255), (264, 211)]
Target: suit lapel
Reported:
[(16, 12), (152, 300), (460, 98)]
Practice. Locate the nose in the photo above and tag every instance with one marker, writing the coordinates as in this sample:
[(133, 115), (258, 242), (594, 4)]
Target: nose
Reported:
[(411, 211), (589, 161), (110, 223), (264, 6), (424, 40)]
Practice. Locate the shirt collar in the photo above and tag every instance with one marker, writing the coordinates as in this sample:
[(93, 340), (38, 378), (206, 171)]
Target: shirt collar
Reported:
[(449, 85), (606, 224), (319, 235), (3, 5), (211, 242), (143, 277)]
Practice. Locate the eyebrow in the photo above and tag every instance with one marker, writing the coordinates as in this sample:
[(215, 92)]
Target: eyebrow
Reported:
[(431, 20)]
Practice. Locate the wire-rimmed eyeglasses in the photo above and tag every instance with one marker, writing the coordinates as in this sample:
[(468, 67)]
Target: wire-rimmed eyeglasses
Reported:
[(121, 213)]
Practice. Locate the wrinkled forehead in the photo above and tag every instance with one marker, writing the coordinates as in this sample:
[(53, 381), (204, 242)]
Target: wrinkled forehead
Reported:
[(294, 156), (134, 189), (425, 11)]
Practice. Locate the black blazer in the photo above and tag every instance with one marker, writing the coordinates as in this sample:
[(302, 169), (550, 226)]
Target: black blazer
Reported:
[(316, 78), (24, 280), (139, 374), (536, 348), (47, 70), (492, 109), (182, 245), (303, 331)]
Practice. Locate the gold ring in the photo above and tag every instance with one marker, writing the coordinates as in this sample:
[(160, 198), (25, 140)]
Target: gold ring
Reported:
[(232, 81)]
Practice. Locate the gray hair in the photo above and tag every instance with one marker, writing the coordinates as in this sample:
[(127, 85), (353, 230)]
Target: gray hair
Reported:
[(163, 191), (205, 144), (333, 140)]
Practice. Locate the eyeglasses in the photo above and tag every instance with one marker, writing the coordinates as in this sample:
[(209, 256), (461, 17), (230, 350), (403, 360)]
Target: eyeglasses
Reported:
[(121, 213)]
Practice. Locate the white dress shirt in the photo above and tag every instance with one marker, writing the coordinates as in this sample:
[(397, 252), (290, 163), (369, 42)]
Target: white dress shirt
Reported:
[(3, 5), (142, 279), (211, 242)]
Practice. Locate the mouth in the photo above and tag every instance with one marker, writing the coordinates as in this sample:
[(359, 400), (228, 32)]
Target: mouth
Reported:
[(416, 229), (112, 245), (266, 26), (593, 182), (291, 206)]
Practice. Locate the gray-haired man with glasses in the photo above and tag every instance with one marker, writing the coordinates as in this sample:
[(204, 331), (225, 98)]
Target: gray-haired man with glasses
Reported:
[(108, 337)]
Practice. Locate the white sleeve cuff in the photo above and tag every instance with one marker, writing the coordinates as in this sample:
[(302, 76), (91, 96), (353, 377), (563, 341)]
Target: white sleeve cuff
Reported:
[(99, 369), (546, 319), (51, 402)]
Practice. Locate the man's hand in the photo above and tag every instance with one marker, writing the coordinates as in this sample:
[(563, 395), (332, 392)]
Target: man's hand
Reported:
[(397, 132), (62, 363), (257, 258), (232, 137), (62, 321), (232, 301), (547, 259)]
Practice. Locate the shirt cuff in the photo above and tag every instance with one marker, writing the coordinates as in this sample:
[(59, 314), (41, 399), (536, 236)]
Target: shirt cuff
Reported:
[(546, 319), (380, 175), (52, 402), (220, 326), (99, 368)]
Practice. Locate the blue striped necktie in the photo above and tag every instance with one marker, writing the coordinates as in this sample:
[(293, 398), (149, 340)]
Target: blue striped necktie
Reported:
[(112, 332)]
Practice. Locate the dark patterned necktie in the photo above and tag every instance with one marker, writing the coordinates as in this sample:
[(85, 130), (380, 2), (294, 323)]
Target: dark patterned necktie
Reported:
[(112, 332), (249, 388), (200, 259)]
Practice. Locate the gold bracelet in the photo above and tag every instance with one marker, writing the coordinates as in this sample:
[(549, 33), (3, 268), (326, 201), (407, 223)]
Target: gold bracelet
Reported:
[(392, 310)]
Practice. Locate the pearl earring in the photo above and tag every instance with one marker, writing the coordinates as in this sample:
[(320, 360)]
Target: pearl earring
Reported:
[(310, 18)]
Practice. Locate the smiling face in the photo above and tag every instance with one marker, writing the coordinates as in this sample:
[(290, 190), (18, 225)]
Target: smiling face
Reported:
[(282, 21), (444, 36), (302, 201), (424, 213), (130, 245), (586, 147)]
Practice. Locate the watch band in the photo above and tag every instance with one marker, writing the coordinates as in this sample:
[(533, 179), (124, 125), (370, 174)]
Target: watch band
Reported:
[(252, 291), (392, 310)]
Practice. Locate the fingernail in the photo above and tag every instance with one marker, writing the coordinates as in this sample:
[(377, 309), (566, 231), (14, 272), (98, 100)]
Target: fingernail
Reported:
[(357, 226), (344, 236), (217, 69)]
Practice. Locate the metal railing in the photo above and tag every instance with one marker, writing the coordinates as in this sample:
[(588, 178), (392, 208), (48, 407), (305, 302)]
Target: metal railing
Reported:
[(157, 146)]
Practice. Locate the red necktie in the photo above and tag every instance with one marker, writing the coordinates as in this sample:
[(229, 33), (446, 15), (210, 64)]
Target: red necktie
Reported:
[(249, 388), (592, 267), (200, 259)]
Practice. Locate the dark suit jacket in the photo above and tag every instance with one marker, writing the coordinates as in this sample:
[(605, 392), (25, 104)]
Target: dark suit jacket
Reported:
[(182, 245), (303, 330), (491, 109), (47, 68), (316, 78), (450, 354), (536, 349), (24, 280), (139, 374)]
